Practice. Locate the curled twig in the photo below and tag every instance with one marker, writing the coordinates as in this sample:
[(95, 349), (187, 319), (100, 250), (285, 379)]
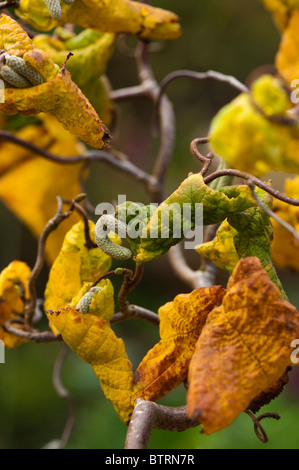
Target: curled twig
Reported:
[(130, 282), (258, 428), (75, 204), (205, 160), (209, 75)]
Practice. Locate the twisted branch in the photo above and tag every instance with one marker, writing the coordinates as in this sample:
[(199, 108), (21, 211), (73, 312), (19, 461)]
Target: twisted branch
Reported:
[(148, 415)]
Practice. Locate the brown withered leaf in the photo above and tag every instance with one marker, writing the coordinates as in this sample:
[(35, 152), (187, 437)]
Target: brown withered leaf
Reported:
[(166, 365), (244, 348)]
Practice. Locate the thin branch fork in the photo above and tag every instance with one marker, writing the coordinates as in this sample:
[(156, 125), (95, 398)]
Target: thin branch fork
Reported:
[(130, 282), (148, 415)]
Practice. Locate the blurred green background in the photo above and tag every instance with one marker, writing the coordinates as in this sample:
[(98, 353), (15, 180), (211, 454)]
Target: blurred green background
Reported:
[(233, 37)]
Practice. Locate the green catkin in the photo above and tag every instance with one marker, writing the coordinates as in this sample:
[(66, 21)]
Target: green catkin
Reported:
[(23, 68), (14, 78), (68, 2), (54, 8), (85, 301), (105, 243)]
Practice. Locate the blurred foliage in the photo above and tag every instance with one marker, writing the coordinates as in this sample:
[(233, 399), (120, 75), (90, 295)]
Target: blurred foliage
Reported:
[(231, 37)]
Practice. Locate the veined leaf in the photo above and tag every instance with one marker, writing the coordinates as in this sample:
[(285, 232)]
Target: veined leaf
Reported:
[(243, 349), (166, 365), (167, 224), (285, 247)]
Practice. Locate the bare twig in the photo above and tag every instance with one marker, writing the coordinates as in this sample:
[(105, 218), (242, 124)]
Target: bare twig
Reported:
[(209, 75), (258, 428), (195, 279), (272, 214), (138, 313), (88, 241), (33, 335), (64, 393), (166, 120), (206, 161), (148, 415), (254, 180), (91, 156)]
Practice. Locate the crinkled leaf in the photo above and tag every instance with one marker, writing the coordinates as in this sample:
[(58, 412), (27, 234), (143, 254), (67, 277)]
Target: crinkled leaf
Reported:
[(40, 181), (13, 292), (246, 234), (166, 365), (58, 96), (75, 265), (285, 247), (244, 348), (91, 337), (169, 219), (249, 141), (115, 16)]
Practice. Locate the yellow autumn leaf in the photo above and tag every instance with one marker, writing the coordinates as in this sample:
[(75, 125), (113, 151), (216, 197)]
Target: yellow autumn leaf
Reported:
[(58, 95), (249, 141), (101, 304), (115, 16), (281, 10), (74, 266), (221, 250), (90, 336), (166, 365), (287, 58), (285, 247), (91, 53), (13, 292), (244, 348), (40, 181)]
